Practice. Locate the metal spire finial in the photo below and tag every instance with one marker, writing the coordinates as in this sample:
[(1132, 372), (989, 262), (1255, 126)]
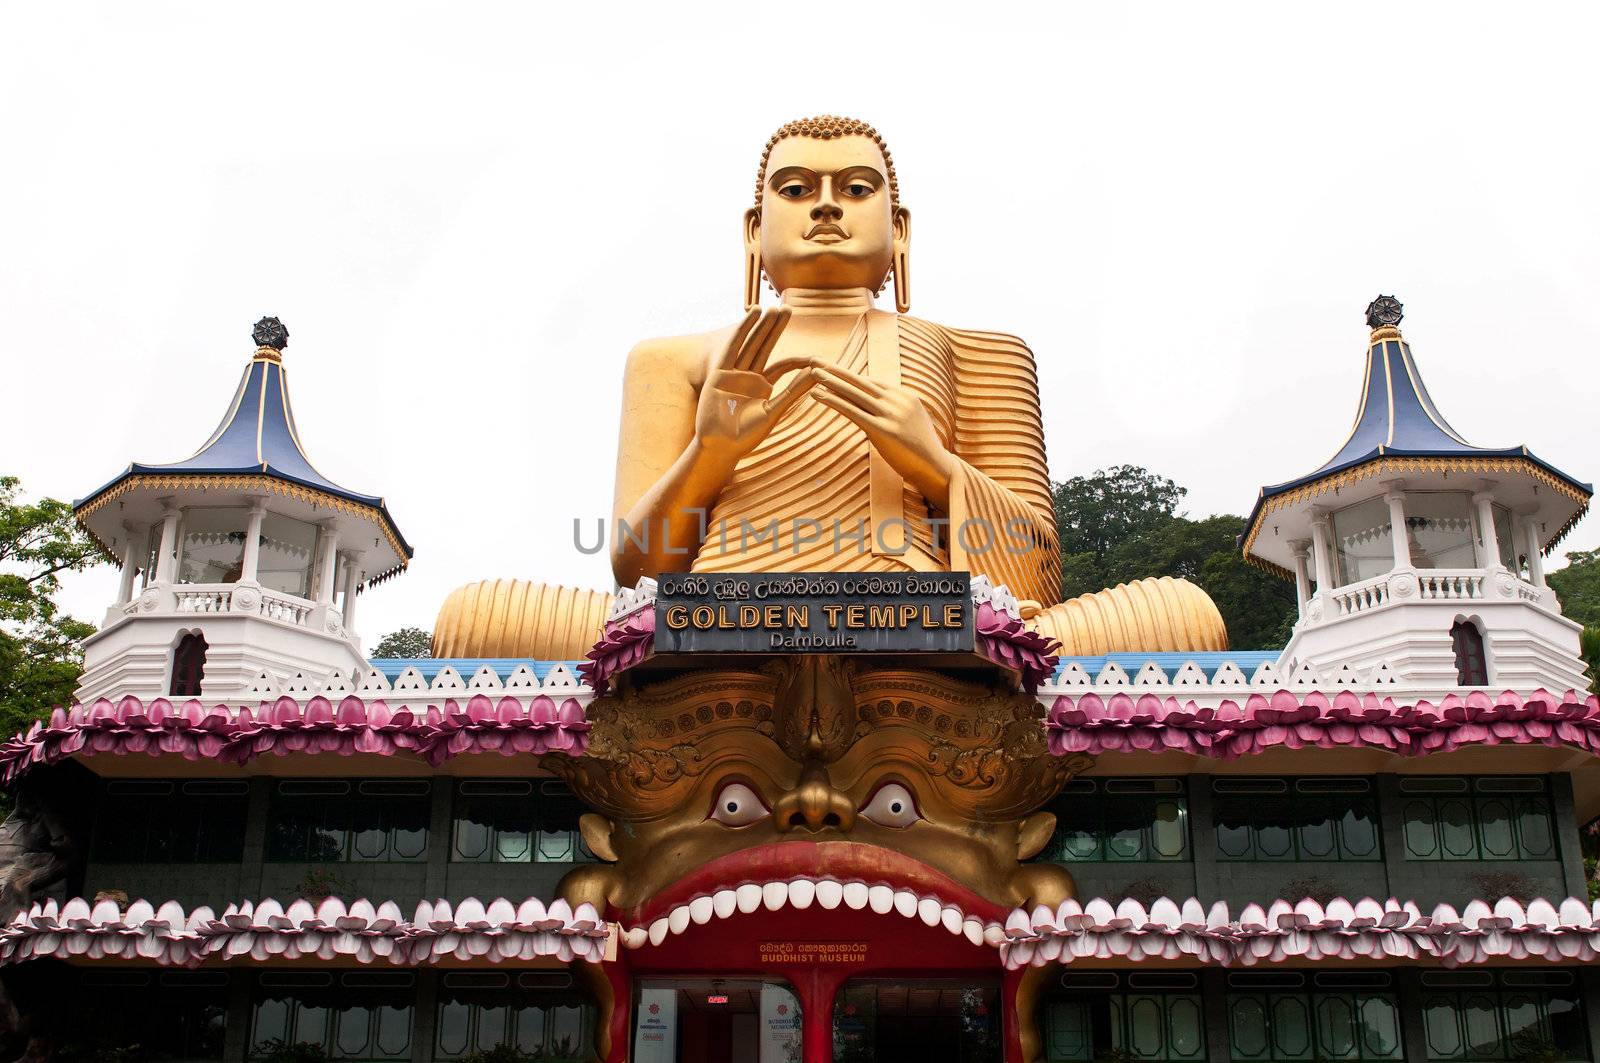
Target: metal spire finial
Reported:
[(1384, 312), (269, 332)]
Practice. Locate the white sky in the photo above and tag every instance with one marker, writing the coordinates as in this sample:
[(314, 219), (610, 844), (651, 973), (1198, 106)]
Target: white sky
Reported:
[(467, 215)]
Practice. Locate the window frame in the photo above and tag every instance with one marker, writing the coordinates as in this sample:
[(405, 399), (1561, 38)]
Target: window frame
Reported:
[(339, 816), (1098, 800), (1475, 792), (1297, 793), (542, 801)]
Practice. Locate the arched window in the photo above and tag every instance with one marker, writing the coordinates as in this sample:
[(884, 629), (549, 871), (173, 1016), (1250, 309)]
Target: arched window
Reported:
[(188, 665), (1472, 667)]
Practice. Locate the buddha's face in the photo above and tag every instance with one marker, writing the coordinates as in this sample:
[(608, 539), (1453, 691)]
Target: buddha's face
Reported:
[(826, 218)]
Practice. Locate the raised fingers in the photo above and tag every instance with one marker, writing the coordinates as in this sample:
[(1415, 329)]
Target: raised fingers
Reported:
[(759, 344), (867, 393), (730, 353), (792, 392)]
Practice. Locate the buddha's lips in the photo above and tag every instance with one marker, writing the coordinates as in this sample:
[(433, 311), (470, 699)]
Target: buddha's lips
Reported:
[(839, 861)]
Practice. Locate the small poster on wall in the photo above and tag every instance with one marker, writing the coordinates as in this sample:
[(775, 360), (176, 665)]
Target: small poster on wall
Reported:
[(655, 1038), (780, 1025)]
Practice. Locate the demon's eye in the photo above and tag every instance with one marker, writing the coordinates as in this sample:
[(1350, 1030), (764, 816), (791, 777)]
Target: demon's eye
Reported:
[(737, 806), (892, 806)]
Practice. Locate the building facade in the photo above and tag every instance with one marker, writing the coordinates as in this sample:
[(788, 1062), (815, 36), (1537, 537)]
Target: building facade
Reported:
[(851, 812)]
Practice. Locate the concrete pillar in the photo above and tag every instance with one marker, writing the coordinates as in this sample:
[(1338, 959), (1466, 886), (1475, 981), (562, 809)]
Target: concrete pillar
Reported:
[(425, 1013), (329, 563), (1302, 578), (1322, 551), (352, 582), (1589, 986), (1413, 1034), (252, 542), (1489, 546), (252, 862), (1396, 497), (130, 562), (1535, 559), (167, 556), (1214, 1002), (1569, 840), (1203, 839), (1391, 827), (440, 836), (236, 1037)]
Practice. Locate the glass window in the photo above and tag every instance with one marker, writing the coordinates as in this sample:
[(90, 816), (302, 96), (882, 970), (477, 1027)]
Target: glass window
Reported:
[(1487, 818), (1439, 529), (1505, 539), (1126, 1023), (152, 554), (1120, 820), (1362, 544), (482, 1012), (288, 551), (334, 821), (516, 822), (1345, 1024), (1326, 818), (929, 1019), (151, 821), (1498, 1017), (213, 545), (362, 1016), (160, 1015)]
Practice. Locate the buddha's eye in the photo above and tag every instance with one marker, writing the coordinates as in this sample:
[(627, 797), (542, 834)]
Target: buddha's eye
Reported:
[(737, 806), (891, 805), (857, 190), (792, 191)]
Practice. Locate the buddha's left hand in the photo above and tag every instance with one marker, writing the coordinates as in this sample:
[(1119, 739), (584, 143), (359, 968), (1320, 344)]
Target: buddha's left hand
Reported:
[(896, 423)]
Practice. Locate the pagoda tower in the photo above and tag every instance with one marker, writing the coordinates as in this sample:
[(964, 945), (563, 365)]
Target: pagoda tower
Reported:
[(238, 561), (1413, 549)]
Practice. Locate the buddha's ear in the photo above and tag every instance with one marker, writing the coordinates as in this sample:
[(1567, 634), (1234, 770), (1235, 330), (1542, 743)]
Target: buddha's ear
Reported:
[(1032, 833), (752, 230), (596, 830), (902, 230), (752, 258), (902, 259)]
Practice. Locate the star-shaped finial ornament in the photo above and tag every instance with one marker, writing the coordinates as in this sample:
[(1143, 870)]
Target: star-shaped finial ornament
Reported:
[(1384, 312), (269, 332)]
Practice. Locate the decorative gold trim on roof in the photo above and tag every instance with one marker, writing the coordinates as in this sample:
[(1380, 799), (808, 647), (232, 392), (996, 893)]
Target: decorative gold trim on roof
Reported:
[(269, 354), (236, 482), (1389, 466)]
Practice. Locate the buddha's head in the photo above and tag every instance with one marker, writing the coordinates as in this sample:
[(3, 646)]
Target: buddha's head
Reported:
[(827, 212)]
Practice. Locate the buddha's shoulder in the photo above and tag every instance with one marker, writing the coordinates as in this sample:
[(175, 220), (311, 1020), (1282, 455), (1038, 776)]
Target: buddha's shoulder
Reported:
[(971, 342), (684, 354)]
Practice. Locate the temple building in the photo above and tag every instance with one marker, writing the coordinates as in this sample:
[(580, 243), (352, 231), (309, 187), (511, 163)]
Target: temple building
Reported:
[(865, 810)]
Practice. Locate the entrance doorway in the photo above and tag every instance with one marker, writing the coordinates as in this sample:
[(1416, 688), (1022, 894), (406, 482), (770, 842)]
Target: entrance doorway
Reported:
[(715, 1020), (903, 1020)]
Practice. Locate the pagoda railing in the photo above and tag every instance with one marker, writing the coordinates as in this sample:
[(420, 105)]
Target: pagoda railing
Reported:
[(1452, 584), (224, 599)]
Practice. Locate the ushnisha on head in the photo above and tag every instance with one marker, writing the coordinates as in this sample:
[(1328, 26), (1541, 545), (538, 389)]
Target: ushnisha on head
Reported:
[(827, 212)]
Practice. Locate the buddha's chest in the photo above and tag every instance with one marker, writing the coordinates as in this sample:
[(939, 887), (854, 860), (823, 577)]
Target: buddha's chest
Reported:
[(926, 369)]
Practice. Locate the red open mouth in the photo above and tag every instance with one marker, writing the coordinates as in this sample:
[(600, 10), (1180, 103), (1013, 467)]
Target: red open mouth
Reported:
[(828, 875)]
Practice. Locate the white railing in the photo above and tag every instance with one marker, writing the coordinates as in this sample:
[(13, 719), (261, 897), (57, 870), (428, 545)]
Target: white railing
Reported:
[(295, 611), (203, 599), (1437, 584), (1361, 597)]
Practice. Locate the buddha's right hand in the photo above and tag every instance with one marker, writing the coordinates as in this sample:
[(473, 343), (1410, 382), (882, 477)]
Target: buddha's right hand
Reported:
[(737, 407)]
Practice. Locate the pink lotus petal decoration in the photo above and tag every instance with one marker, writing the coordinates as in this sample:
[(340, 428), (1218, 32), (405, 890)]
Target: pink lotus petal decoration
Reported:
[(1303, 931), (510, 726), (1122, 722), (361, 931)]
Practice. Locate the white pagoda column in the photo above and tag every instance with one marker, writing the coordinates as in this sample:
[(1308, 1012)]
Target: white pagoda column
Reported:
[(130, 560), (1489, 545), (1302, 580), (251, 562), (1321, 550), (1535, 561), (330, 562), (352, 580), (166, 557), (1396, 497)]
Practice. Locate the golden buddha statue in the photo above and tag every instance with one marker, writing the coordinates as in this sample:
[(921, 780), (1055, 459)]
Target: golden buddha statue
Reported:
[(825, 434)]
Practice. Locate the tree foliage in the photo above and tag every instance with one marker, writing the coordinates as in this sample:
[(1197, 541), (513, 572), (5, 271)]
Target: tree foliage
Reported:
[(1578, 587), (40, 647), (407, 642), (1122, 523)]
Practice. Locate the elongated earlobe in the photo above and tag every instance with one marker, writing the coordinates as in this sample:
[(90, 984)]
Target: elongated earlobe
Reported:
[(902, 260), (752, 259)]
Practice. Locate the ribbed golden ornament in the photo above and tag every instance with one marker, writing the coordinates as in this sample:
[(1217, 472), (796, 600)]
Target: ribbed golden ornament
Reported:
[(517, 618), (1152, 615)]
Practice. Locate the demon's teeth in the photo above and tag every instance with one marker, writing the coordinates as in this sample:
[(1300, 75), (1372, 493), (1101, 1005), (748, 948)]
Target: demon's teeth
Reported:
[(678, 919), (829, 893), (855, 895), (723, 903), (701, 909), (881, 898), (905, 902), (929, 910), (801, 893), (635, 937), (951, 918), (773, 894), (749, 897), (973, 929), (994, 934), (658, 931)]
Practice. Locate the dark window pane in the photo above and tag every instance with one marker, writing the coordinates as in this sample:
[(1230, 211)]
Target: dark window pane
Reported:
[(1536, 838), (1494, 829), (455, 1020)]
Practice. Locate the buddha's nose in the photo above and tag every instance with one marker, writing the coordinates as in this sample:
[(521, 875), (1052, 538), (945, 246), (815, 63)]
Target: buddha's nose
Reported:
[(814, 805), (827, 210)]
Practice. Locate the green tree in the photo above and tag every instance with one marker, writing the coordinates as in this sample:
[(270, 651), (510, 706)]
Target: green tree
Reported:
[(1123, 524), (1578, 587), (407, 642), (40, 647)]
